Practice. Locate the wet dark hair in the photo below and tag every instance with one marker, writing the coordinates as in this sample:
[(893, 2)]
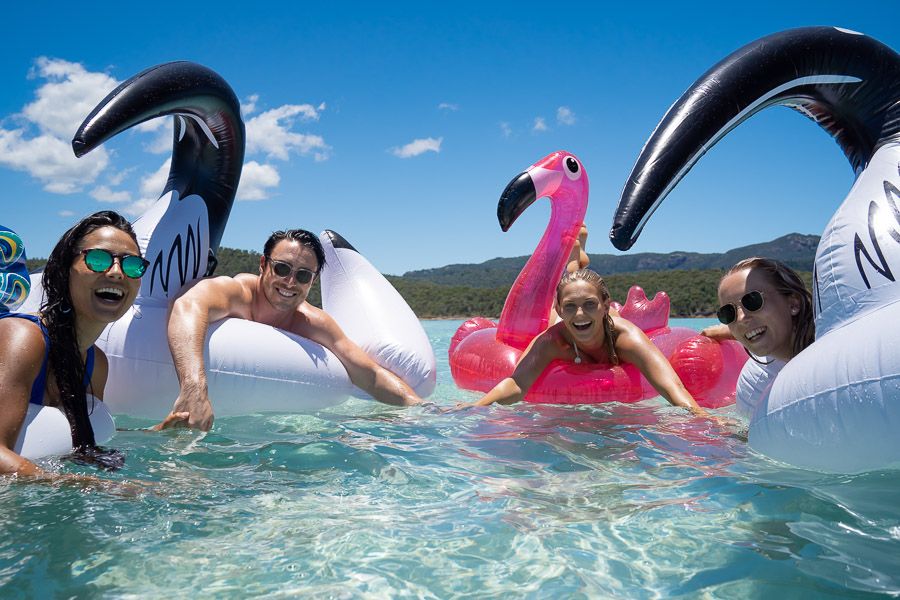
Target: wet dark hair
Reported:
[(306, 238), (786, 282), (59, 318), (594, 278)]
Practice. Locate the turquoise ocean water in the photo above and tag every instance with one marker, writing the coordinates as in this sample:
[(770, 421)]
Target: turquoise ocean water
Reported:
[(364, 500)]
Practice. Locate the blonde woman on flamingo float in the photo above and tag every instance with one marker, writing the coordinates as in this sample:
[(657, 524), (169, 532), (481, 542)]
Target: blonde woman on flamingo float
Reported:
[(570, 363)]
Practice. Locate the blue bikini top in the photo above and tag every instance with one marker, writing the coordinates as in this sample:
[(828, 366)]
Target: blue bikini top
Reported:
[(40, 382)]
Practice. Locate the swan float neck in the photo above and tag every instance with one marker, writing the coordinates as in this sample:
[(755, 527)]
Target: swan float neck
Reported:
[(846, 82), (187, 223)]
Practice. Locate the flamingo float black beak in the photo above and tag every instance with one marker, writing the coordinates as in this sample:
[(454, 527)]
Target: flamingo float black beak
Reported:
[(518, 195)]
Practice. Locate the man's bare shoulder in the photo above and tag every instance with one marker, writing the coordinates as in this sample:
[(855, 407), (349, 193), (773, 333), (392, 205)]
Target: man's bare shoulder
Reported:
[(314, 323), (232, 294)]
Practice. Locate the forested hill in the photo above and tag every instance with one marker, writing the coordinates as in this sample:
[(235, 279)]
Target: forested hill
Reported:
[(460, 291), (796, 250)]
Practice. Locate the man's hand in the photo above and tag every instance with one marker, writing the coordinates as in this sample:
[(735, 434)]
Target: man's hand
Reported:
[(172, 420), (190, 410)]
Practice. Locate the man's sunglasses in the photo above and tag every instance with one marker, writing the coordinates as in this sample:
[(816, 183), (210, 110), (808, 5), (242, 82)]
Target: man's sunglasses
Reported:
[(99, 260), (282, 269), (751, 301)]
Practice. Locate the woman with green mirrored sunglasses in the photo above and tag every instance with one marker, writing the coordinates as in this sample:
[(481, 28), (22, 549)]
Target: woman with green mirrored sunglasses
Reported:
[(100, 260), (50, 362)]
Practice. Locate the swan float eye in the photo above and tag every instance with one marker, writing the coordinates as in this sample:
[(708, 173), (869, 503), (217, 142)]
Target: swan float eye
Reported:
[(572, 168)]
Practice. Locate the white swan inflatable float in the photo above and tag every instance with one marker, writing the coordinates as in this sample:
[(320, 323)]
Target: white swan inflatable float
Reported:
[(835, 407), (252, 367)]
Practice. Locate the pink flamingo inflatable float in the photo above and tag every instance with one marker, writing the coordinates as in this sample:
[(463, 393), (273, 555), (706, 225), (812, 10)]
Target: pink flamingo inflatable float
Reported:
[(483, 352)]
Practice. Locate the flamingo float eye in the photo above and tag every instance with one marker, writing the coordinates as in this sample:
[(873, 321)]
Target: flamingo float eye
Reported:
[(572, 168)]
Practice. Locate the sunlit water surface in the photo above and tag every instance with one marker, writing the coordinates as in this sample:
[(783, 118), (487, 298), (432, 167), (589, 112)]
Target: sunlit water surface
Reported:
[(364, 500)]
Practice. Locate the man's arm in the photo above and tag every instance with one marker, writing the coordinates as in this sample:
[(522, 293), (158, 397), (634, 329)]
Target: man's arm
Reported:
[(365, 373), (209, 300)]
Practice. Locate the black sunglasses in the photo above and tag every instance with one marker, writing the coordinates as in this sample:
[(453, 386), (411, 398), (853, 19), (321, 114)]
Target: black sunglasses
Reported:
[(99, 260), (751, 301), (282, 269)]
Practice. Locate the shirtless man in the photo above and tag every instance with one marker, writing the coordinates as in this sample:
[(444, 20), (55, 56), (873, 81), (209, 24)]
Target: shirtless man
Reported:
[(290, 263)]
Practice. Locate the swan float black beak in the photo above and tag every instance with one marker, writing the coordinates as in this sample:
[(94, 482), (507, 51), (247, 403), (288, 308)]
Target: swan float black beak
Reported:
[(844, 81)]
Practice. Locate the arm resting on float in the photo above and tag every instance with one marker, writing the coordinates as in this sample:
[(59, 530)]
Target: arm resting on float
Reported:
[(365, 373), (208, 301), (633, 346), (531, 364)]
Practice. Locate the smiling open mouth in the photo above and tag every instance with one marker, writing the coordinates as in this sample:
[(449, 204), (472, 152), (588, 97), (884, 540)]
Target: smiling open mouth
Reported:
[(754, 334), (109, 294), (582, 326), (285, 293)]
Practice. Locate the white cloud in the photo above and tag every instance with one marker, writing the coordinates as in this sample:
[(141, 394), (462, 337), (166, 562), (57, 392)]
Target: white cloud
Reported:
[(62, 102), (71, 92), (417, 147), (270, 133), (256, 180), (50, 160), (139, 207), (539, 124), (164, 128), (448, 106), (565, 116), (154, 183), (103, 193), (154, 124), (249, 107), (151, 187), (37, 141), (66, 213), (505, 129), (117, 178)]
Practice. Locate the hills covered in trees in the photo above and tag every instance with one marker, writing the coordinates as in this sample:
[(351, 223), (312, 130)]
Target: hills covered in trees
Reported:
[(464, 290)]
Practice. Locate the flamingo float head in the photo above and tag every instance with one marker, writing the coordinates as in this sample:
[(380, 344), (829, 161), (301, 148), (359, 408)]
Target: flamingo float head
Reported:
[(561, 177)]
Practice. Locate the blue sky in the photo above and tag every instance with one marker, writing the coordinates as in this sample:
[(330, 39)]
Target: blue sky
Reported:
[(398, 125)]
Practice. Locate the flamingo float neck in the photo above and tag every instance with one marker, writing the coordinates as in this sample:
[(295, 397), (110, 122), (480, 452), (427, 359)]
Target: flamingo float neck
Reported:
[(527, 308)]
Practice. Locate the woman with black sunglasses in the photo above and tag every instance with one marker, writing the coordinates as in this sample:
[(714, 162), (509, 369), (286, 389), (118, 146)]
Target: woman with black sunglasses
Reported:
[(765, 306), (49, 359)]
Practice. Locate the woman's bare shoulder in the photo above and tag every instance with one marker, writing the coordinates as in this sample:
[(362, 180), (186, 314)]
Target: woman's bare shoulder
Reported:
[(23, 344)]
